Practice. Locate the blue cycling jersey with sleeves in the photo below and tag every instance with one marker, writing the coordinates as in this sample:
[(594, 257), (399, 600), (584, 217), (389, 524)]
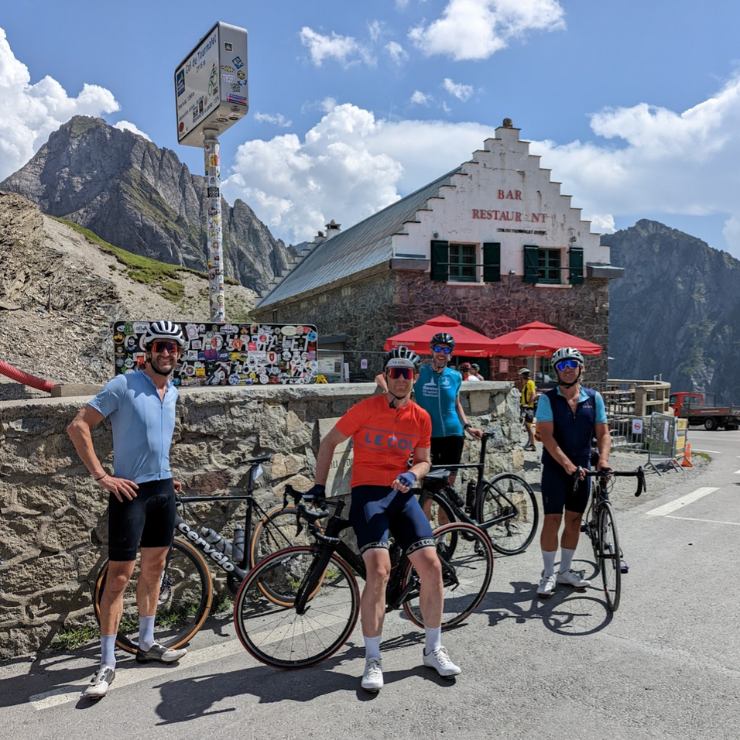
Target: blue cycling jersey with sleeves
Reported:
[(436, 393), (142, 425)]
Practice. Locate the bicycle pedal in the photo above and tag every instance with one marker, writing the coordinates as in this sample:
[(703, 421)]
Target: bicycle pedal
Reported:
[(584, 527), (623, 567)]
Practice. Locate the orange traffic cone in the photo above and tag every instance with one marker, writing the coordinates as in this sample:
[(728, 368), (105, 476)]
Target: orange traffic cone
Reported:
[(686, 462)]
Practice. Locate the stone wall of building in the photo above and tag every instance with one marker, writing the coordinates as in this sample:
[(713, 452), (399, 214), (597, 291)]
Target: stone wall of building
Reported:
[(53, 527), (497, 308), (363, 310)]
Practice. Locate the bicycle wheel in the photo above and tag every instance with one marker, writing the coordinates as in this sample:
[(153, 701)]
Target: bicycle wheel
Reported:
[(277, 531), (185, 596), (438, 510), (508, 508), (466, 573), (610, 556), (279, 636)]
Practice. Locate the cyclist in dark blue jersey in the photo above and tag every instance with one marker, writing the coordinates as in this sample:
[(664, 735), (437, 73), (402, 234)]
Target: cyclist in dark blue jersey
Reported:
[(568, 417), (141, 513)]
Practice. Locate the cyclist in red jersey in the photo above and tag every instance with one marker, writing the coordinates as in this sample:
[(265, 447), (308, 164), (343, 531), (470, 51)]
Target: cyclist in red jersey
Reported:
[(385, 430)]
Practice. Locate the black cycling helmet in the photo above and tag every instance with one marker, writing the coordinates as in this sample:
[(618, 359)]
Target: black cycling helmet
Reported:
[(402, 357), (164, 330), (443, 338)]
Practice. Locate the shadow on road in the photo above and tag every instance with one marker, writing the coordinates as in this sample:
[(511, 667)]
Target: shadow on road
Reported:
[(567, 612)]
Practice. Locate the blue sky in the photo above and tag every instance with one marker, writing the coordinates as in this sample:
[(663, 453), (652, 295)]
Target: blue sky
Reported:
[(633, 104)]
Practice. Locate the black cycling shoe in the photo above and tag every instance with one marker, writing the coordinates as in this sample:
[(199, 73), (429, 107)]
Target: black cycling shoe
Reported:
[(160, 654)]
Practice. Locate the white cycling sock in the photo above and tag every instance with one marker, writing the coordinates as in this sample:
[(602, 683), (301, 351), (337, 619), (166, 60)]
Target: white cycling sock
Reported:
[(549, 559), (566, 559), (108, 651), (433, 639), (146, 632), (372, 647)]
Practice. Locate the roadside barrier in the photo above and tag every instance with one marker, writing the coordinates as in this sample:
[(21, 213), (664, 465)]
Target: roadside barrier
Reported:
[(662, 436), (25, 378)]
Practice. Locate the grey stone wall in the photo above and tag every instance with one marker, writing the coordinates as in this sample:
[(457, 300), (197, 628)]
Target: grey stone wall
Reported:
[(363, 310), (53, 526)]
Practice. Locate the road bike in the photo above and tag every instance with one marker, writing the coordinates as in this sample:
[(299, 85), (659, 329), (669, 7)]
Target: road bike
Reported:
[(601, 528), (186, 586), (324, 598), (505, 507)]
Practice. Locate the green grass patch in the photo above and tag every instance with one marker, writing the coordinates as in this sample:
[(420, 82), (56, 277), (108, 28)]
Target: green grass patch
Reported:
[(74, 637), (703, 455)]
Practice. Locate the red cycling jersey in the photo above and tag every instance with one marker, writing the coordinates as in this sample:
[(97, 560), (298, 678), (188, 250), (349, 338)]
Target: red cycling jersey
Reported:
[(383, 439)]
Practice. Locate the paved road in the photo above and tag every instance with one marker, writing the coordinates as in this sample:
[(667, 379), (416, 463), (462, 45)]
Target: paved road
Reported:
[(665, 666)]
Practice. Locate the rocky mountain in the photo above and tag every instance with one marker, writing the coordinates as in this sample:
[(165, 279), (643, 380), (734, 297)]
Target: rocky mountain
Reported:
[(61, 291), (141, 198), (676, 311)]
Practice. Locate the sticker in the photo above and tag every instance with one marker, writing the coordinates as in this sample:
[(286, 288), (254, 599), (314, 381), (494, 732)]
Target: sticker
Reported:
[(264, 379), (289, 331), (138, 327), (228, 78), (118, 339), (241, 74), (227, 68), (239, 99), (237, 62)]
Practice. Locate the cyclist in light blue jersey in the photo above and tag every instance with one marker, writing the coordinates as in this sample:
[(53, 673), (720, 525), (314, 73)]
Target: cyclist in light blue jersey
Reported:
[(141, 407)]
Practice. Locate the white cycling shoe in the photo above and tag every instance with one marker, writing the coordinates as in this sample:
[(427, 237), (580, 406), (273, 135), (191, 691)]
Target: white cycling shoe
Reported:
[(573, 578), (372, 678), (439, 659)]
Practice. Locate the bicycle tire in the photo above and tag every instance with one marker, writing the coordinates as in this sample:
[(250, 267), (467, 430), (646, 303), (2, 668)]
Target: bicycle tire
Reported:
[(277, 531), (509, 501), (610, 556), (280, 637), (466, 574), (185, 597), (439, 508)]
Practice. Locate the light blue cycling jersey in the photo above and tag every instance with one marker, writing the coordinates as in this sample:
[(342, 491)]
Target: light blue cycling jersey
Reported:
[(544, 408), (142, 425), (436, 394)]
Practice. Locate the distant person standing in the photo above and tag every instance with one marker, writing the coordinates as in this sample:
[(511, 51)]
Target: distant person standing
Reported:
[(528, 395), (569, 417), (142, 509), (476, 371), (467, 372)]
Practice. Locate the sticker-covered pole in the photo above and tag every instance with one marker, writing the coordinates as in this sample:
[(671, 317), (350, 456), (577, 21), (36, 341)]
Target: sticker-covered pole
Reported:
[(211, 149)]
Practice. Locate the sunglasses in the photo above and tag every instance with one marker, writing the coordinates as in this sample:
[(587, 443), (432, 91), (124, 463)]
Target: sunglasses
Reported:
[(400, 372), (570, 364), (165, 346), (438, 349)]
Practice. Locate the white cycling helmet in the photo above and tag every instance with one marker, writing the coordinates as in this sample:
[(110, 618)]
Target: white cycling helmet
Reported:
[(164, 330), (567, 353), (402, 357)]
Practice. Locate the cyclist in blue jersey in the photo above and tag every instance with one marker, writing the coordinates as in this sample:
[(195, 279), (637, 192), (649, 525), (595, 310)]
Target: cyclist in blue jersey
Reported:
[(568, 418), (141, 513)]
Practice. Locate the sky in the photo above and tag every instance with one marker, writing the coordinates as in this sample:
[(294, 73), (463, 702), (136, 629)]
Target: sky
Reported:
[(634, 104)]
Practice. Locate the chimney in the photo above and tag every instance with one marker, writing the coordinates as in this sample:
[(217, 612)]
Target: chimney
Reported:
[(332, 229)]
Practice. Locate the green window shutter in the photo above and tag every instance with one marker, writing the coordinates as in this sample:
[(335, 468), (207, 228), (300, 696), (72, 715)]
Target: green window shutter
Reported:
[(575, 255), (491, 262), (440, 259), (531, 264)]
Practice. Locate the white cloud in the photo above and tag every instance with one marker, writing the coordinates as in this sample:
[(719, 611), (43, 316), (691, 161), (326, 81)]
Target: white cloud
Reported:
[(348, 167), (29, 113), (128, 126), (476, 29), (458, 90), (667, 162), (344, 49), (278, 119), (419, 98), (375, 29), (396, 52)]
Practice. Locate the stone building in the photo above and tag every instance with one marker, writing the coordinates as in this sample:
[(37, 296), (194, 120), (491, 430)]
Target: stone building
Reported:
[(493, 244)]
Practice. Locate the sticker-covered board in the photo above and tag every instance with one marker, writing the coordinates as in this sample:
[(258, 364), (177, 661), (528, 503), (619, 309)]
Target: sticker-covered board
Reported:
[(228, 354)]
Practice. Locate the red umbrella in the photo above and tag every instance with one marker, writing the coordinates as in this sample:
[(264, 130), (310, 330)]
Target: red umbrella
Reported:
[(538, 338), (467, 341)]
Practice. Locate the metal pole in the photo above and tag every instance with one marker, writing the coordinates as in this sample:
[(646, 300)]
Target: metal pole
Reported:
[(211, 150)]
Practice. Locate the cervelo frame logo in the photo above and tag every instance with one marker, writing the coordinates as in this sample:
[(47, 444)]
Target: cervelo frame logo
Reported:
[(207, 548)]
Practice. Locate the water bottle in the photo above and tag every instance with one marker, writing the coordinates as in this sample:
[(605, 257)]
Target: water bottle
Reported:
[(215, 539), (238, 549), (470, 497)]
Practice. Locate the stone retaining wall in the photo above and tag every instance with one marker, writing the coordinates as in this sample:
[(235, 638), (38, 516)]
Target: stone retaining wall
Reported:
[(53, 526)]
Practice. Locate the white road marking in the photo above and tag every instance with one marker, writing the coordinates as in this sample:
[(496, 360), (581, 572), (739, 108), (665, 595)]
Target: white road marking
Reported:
[(126, 674), (714, 452), (709, 521), (737, 472), (679, 502)]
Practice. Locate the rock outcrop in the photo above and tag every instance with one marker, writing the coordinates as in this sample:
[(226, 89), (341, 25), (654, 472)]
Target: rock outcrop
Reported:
[(676, 312), (143, 199)]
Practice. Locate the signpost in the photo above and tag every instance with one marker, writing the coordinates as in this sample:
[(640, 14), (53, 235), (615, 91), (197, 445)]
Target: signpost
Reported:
[(211, 95)]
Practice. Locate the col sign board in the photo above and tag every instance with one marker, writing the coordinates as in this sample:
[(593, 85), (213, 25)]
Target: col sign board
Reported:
[(211, 86)]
